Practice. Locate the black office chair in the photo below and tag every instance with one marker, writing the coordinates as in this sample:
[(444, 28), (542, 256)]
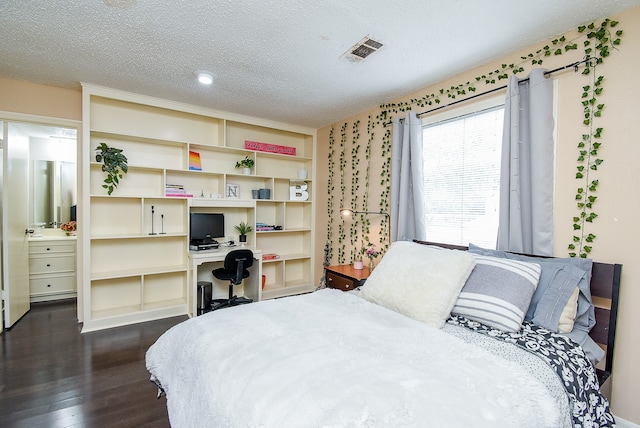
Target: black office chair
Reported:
[(235, 270)]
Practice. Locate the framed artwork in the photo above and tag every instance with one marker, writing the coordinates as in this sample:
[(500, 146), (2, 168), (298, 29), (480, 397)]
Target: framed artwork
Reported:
[(194, 161), (233, 191)]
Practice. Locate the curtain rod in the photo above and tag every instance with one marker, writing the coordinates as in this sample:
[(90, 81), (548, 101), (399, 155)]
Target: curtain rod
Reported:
[(548, 73)]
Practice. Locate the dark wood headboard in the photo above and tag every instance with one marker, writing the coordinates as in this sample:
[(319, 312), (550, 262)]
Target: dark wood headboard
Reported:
[(605, 290)]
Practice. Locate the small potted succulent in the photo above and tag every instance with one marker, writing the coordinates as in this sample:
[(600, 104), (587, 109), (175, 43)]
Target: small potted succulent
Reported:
[(242, 229), (246, 164)]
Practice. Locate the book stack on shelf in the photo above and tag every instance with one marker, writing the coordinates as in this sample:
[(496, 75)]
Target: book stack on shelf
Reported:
[(262, 227), (176, 191), (270, 256)]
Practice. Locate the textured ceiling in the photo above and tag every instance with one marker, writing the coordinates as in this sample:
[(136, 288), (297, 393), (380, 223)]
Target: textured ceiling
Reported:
[(279, 60)]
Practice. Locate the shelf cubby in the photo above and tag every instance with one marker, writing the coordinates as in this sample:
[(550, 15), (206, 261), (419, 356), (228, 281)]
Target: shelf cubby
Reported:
[(297, 272), (282, 166), (274, 273), (138, 181), (297, 215), (270, 213), (218, 159), (116, 296), (138, 254), (164, 290), (196, 183), (169, 216), (284, 243), (107, 214), (143, 152), (118, 116)]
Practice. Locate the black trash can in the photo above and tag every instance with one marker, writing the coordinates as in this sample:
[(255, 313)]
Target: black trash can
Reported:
[(204, 297)]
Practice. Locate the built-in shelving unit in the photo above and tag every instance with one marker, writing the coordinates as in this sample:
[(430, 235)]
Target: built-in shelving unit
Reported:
[(135, 258)]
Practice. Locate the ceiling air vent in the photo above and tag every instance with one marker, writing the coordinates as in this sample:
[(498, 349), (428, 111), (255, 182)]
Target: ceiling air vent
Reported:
[(363, 49)]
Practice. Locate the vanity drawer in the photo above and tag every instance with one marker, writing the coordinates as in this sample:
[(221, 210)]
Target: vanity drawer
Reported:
[(52, 284), (48, 264), (49, 247)]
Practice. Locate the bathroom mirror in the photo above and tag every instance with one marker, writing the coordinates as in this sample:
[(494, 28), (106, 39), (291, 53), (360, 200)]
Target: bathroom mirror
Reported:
[(54, 192), (52, 153)]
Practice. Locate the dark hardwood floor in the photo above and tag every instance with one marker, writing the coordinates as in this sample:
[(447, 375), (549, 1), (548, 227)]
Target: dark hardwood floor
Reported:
[(51, 375)]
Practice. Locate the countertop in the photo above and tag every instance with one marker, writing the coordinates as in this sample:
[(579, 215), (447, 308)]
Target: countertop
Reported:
[(52, 235)]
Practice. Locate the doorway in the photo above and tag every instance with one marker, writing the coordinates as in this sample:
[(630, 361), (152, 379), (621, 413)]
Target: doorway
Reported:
[(38, 190)]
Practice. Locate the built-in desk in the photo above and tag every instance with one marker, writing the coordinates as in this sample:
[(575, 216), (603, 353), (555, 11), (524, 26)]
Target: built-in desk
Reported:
[(203, 262)]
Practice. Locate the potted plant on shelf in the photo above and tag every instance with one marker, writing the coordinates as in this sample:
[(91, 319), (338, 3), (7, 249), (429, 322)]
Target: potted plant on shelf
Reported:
[(246, 164), (114, 163), (242, 229)]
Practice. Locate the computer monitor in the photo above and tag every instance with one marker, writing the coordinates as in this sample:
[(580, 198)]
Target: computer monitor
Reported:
[(205, 227)]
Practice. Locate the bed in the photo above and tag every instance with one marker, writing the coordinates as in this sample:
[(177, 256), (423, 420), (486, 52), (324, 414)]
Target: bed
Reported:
[(405, 350)]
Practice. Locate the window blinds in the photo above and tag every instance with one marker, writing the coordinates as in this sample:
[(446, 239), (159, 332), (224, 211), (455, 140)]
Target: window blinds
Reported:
[(461, 177)]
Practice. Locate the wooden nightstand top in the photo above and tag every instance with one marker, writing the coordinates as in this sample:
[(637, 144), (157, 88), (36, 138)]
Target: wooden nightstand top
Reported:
[(349, 271)]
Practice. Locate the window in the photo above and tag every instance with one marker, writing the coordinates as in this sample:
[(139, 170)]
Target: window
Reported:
[(462, 151)]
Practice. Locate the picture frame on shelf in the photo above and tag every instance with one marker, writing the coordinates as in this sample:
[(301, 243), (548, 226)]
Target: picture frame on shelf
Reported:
[(232, 191), (195, 164)]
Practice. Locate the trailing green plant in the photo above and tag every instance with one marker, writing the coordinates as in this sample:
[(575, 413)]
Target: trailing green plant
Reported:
[(558, 47), (365, 222), (386, 186), (331, 187), (114, 164), (247, 162), (342, 165), (355, 184), (600, 39)]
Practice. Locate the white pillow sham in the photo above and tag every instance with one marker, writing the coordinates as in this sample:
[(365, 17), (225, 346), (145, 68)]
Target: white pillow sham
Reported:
[(420, 282)]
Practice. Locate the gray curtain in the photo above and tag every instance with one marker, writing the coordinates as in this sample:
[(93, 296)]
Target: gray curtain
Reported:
[(526, 178), (407, 199)]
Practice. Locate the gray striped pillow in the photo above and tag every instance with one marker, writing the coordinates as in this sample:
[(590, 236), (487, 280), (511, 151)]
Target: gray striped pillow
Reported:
[(498, 292)]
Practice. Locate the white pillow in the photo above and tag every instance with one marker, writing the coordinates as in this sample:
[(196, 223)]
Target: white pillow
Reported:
[(420, 282), (565, 323)]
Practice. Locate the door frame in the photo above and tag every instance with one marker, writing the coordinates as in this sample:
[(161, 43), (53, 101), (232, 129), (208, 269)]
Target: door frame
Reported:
[(7, 116)]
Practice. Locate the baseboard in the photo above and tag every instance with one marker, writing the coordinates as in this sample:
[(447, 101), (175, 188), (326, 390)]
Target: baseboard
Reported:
[(621, 423)]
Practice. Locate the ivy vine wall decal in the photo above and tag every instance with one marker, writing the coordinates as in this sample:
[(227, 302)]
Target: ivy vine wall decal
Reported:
[(598, 41)]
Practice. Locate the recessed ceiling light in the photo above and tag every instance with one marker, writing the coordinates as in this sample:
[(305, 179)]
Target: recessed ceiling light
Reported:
[(204, 77)]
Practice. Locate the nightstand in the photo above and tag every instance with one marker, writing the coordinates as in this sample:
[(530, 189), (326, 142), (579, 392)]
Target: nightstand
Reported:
[(345, 277)]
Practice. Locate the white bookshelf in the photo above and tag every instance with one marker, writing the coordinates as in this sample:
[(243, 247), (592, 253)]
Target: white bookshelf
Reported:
[(135, 267)]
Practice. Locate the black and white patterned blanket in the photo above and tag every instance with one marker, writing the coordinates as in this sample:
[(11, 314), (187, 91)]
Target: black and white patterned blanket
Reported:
[(590, 409)]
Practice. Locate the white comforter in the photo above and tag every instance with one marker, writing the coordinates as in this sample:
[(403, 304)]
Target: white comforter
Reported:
[(331, 359)]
